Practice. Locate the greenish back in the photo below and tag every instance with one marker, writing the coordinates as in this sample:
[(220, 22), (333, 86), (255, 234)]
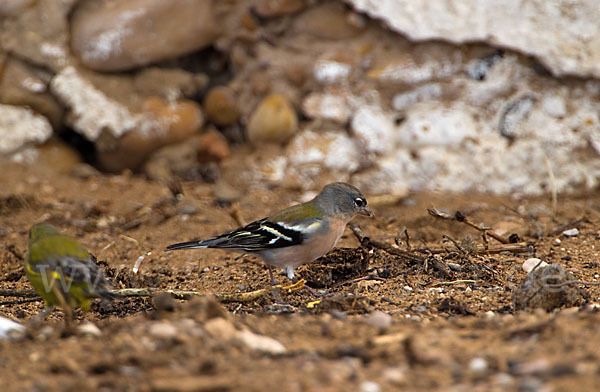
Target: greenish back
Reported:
[(45, 241)]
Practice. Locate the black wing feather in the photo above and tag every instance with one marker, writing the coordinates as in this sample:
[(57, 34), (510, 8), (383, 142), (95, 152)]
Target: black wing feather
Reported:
[(258, 235)]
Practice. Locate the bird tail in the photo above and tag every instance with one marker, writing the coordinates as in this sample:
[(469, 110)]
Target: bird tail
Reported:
[(188, 245)]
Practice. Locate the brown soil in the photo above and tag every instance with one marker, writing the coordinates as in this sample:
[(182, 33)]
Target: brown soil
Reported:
[(453, 328)]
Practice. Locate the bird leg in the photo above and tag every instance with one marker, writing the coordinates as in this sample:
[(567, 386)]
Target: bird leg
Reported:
[(65, 307)]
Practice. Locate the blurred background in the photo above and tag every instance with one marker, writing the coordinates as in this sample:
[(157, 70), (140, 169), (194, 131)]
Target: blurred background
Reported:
[(391, 95)]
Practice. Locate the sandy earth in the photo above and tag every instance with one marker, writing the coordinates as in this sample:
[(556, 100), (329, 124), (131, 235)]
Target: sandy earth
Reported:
[(453, 326)]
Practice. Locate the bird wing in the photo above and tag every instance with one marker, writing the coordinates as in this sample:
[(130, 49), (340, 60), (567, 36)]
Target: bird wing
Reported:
[(75, 270), (265, 234)]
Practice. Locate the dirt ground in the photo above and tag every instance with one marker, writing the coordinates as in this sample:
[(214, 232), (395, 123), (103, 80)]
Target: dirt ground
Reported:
[(453, 325)]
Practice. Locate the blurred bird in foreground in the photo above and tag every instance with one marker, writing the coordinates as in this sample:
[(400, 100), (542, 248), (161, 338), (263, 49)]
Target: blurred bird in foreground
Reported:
[(298, 234), (62, 272)]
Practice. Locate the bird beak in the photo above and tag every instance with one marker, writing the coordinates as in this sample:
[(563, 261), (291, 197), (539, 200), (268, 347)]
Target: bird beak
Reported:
[(367, 211)]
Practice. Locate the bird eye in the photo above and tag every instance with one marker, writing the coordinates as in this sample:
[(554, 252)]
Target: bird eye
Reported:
[(360, 202)]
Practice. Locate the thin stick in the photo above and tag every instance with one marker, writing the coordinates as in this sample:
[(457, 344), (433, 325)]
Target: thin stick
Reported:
[(20, 301), (568, 226), (20, 293), (460, 217), (367, 242), (521, 247), (453, 282)]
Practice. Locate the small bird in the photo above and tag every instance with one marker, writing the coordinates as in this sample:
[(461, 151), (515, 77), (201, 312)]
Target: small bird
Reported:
[(296, 235), (62, 272)]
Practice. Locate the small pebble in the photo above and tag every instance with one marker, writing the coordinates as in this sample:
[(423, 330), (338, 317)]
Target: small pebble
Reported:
[(571, 232), (530, 264), (88, 328), (395, 375), (408, 288), (489, 315), (420, 309), (261, 343), (454, 267), (163, 330), (379, 319), (369, 386), (557, 241), (504, 380), (478, 365), (9, 329)]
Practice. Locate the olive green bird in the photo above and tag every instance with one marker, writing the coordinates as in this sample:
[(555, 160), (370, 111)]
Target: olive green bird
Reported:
[(62, 272)]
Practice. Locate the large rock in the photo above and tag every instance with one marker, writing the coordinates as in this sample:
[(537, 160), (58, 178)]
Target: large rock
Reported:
[(38, 31), (116, 35), (563, 35), (170, 123), (92, 111), (24, 85), (273, 121)]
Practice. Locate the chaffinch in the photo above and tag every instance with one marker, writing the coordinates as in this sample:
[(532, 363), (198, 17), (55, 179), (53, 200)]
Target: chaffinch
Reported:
[(62, 272), (296, 235)]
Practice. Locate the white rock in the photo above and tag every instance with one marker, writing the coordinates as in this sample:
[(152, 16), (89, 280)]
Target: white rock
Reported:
[(369, 386), (489, 315), (274, 169), (326, 107), (478, 364), (554, 105), (374, 129), (89, 328), (574, 232), (10, 329), (395, 375), (20, 126), (403, 101), (163, 330), (529, 264), (379, 319), (92, 111), (329, 72), (571, 38), (261, 343), (432, 125), (334, 150)]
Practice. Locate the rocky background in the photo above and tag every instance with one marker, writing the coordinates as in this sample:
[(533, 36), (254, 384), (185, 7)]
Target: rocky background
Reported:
[(392, 95)]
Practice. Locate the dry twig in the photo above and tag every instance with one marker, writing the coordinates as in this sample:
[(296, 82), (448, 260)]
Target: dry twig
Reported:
[(367, 242), (460, 217), (568, 226), (521, 247)]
